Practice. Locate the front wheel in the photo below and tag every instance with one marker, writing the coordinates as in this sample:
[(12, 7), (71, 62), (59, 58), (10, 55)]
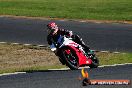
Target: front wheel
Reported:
[(70, 58)]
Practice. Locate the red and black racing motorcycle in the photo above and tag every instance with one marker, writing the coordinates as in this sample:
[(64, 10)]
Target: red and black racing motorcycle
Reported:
[(73, 55)]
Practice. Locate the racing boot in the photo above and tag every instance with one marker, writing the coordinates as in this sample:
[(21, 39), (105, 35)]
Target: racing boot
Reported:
[(86, 49)]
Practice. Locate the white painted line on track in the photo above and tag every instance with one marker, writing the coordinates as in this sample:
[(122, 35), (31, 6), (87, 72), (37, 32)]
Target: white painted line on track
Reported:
[(27, 44), (15, 43), (3, 42), (47, 46), (116, 52), (115, 65), (104, 51), (41, 45), (61, 69), (83, 21), (6, 74), (98, 66)]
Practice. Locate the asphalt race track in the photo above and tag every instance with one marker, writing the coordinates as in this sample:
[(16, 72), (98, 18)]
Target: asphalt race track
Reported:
[(110, 37), (67, 78)]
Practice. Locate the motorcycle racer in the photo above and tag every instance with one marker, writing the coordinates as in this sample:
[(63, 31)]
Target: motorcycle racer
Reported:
[(54, 32)]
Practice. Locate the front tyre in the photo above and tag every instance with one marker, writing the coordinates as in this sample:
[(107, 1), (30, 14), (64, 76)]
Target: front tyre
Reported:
[(70, 58)]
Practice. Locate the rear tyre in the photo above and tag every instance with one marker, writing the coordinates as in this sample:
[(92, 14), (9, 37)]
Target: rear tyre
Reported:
[(95, 62)]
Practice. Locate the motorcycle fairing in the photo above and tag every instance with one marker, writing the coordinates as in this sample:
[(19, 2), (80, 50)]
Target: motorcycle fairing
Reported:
[(82, 59)]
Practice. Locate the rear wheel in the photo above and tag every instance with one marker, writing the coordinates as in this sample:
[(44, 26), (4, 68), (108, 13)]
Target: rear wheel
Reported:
[(70, 58), (95, 62)]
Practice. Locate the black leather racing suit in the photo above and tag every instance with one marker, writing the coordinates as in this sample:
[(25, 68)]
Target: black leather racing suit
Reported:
[(53, 38)]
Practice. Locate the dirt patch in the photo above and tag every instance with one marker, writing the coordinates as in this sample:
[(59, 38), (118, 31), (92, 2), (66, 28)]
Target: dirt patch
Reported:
[(18, 57)]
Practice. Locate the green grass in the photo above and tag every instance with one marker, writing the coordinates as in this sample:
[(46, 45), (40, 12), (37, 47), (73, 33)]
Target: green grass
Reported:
[(71, 9), (112, 58)]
